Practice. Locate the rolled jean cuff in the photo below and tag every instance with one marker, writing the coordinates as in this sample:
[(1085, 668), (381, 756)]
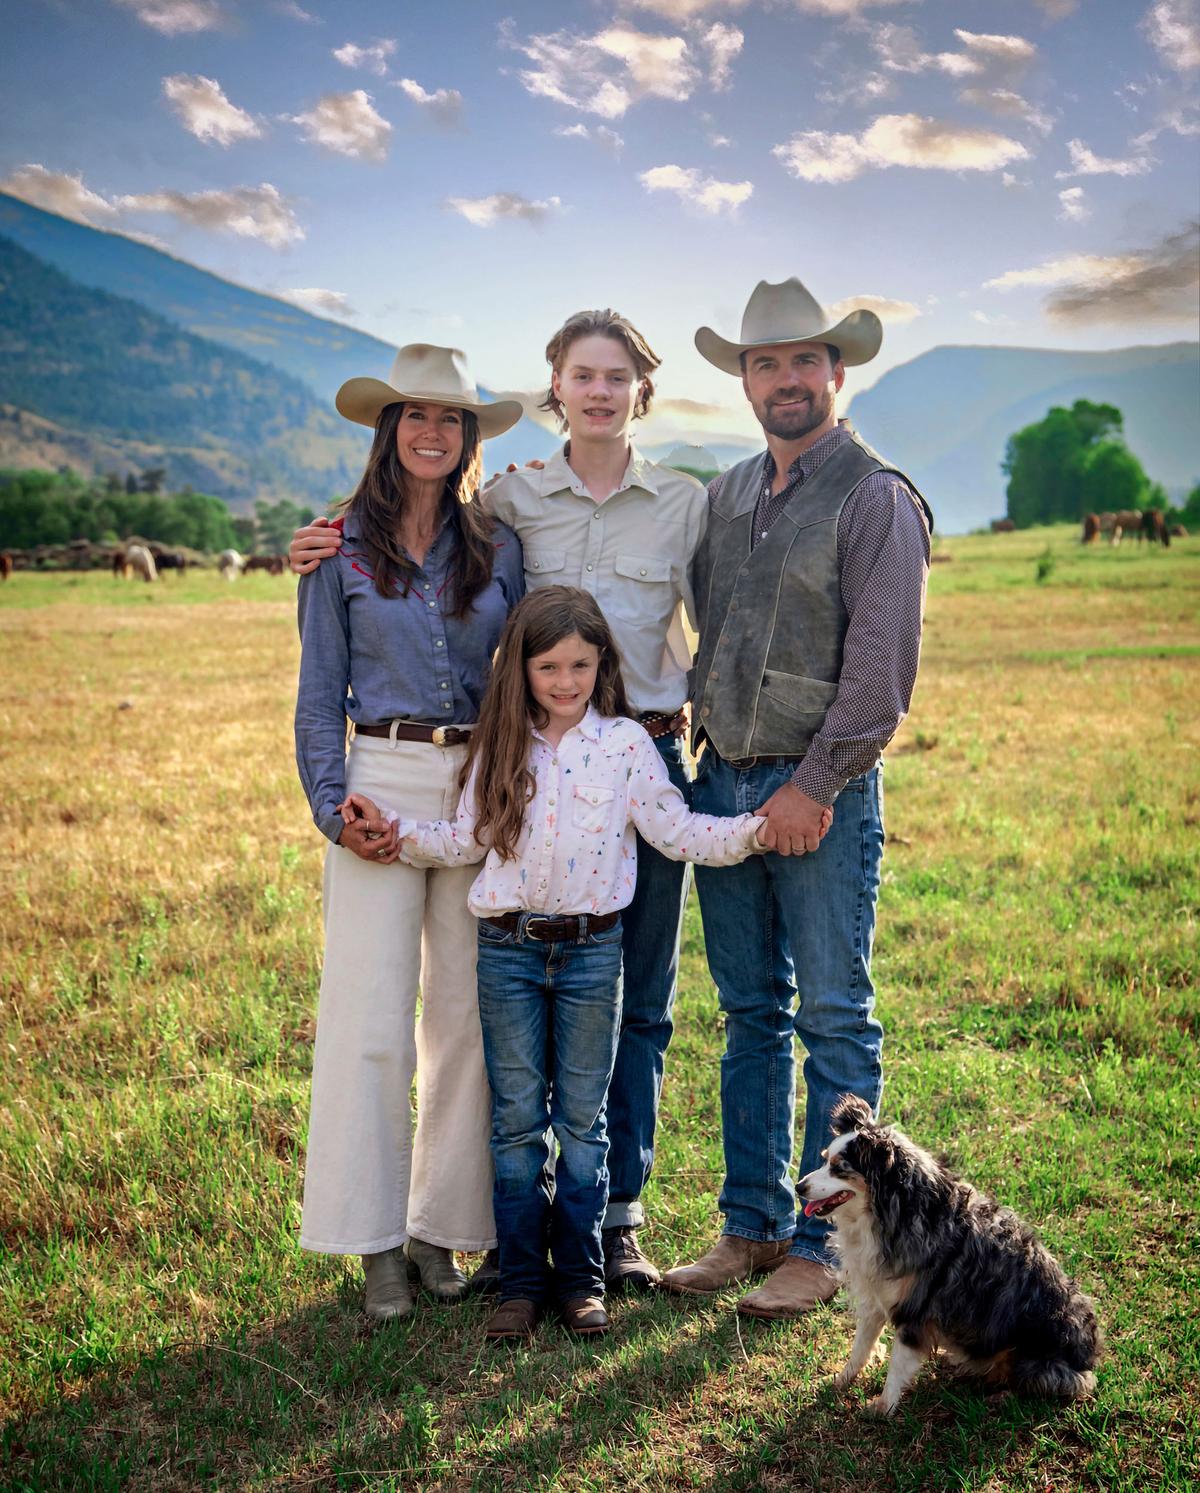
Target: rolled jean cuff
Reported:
[(624, 1215), (757, 1235), (807, 1252)]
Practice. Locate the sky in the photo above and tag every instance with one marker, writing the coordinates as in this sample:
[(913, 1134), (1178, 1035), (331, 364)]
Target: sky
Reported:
[(977, 171)]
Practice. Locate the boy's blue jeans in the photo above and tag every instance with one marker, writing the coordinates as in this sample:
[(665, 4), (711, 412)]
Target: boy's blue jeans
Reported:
[(550, 1013), (788, 940)]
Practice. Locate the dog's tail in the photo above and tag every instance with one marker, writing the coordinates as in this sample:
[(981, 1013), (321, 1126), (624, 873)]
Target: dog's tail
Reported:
[(1055, 1378)]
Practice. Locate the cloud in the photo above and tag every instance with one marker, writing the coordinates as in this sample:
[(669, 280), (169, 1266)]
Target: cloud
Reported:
[(205, 111), (606, 73), (373, 58), (249, 212), (444, 106), (1056, 10), (1072, 206), (897, 140), (328, 302), (1085, 162), (722, 43), (885, 309), (346, 123), (484, 212), (1173, 27), (899, 50), (1008, 105), (297, 12), (693, 187), (603, 136), (176, 17), (58, 192), (1159, 284), (689, 10)]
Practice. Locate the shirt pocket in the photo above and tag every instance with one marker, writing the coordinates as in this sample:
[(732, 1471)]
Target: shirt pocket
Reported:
[(543, 562), (592, 808), (644, 592)]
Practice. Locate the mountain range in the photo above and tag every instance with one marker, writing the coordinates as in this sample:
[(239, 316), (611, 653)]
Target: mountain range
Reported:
[(232, 389)]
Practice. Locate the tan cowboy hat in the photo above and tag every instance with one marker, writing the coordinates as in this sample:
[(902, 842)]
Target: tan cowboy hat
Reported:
[(426, 374), (788, 313)]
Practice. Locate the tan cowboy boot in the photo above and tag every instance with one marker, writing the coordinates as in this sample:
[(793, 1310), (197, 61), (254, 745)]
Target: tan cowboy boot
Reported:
[(387, 1293), (439, 1275), (731, 1259), (797, 1286)]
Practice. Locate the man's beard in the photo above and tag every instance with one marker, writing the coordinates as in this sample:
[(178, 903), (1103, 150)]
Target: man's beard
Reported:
[(790, 425)]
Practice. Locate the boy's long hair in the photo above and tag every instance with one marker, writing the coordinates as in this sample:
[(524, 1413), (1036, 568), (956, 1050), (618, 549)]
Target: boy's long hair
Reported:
[(500, 743), (605, 323), (379, 500)]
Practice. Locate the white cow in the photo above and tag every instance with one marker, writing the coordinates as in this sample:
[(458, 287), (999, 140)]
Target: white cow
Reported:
[(230, 564)]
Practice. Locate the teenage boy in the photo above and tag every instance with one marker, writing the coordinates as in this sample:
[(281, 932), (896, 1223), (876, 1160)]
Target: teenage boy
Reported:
[(600, 516)]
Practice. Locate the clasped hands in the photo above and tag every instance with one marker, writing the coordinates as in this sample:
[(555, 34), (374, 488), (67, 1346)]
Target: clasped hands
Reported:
[(795, 824), (367, 831)]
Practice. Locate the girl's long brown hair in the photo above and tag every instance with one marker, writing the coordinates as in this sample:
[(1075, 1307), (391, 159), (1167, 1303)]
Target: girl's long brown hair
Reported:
[(500, 743), (378, 502)]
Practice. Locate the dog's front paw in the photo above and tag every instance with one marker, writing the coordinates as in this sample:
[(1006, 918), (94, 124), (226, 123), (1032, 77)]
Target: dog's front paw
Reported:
[(844, 1378), (878, 1405)]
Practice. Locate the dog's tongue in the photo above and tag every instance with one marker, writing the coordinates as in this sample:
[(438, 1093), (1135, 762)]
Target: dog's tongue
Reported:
[(811, 1207)]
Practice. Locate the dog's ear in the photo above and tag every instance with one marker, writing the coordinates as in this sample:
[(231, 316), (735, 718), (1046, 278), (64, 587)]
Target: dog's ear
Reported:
[(850, 1113)]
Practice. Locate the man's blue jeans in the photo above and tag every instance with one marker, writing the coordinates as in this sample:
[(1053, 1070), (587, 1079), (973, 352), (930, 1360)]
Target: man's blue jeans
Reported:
[(650, 949), (550, 1015), (788, 940)]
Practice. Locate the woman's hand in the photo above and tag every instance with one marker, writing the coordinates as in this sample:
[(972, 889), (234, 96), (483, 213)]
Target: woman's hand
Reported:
[(366, 831), (313, 543)]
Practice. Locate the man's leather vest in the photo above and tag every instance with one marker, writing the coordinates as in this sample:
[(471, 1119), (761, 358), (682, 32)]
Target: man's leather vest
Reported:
[(772, 621)]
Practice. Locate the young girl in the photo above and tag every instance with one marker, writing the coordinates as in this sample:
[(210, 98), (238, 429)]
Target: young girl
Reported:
[(557, 780)]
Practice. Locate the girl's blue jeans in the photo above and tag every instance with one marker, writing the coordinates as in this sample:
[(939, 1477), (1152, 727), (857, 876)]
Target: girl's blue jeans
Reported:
[(551, 1013)]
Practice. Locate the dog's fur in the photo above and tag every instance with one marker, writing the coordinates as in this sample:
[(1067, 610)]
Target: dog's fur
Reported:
[(949, 1268)]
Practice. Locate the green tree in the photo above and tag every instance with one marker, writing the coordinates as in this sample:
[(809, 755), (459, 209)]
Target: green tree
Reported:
[(1070, 463), (275, 522), (1113, 479)]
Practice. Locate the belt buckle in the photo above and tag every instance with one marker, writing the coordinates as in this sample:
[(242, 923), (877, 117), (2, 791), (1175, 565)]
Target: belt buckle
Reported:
[(537, 918), (439, 735)]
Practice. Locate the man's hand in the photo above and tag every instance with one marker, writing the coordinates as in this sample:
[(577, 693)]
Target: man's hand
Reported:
[(533, 463), (312, 544), (796, 824)]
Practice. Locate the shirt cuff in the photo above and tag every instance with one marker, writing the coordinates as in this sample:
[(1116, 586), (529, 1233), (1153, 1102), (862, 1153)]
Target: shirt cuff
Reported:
[(818, 780), (330, 823)]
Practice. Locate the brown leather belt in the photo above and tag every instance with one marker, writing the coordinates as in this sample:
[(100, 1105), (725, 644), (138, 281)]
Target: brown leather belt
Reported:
[(407, 731), (555, 930), (663, 722)]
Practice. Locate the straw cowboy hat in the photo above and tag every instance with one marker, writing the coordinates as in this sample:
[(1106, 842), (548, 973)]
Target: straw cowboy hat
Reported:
[(783, 313), (426, 374)]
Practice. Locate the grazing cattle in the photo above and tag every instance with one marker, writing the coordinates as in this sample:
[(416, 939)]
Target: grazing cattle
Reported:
[(1178, 531), (6, 565), (169, 559), (230, 564), (272, 564), (140, 562), (1154, 527), (1091, 528), (1003, 526), (118, 563), (1128, 521)]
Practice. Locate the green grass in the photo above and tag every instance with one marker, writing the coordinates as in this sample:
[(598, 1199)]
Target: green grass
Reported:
[(159, 947)]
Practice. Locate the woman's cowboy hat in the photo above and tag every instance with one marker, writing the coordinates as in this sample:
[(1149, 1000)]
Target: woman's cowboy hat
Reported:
[(426, 374), (787, 313)]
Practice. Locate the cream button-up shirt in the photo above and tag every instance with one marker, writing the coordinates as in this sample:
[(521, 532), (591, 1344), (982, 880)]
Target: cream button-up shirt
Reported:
[(632, 552), (577, 851)]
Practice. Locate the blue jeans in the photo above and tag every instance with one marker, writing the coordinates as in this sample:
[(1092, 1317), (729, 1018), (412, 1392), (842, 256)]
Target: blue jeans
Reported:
[(550, 1015), (650, 951), (777, 928)]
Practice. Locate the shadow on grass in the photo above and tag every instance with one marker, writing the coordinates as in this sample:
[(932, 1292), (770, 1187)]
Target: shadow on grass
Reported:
[(674, 1397)]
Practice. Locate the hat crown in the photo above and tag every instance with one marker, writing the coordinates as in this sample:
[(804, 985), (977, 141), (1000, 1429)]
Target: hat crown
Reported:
[(429, 370), (781, 313)]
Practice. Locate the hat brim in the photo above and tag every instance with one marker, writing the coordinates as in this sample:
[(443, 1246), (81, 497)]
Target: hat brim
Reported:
[(858, 337), (363, 400)]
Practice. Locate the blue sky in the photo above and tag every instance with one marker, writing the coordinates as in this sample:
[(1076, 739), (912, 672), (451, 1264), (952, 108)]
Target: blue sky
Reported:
[(986, 171)]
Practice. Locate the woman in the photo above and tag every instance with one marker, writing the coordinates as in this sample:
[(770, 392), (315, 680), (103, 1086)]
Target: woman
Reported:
[(397, 635)]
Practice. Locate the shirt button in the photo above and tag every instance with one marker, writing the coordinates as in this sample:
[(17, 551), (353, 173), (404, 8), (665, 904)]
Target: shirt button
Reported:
[(590, 567), (439, 644), (596, 514), (433, 606), (549, 844), (427, 585), (537, 565), (712, 674), (551, 801), (641, 572), (707, 710), (446, 705), (446, 686)]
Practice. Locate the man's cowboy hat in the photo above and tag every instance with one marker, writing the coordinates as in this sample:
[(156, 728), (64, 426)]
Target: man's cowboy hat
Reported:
[(426, 374), (787, 313)]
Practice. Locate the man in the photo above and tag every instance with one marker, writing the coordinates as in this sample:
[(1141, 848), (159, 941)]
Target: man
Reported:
[(809, 586), (598, 515)]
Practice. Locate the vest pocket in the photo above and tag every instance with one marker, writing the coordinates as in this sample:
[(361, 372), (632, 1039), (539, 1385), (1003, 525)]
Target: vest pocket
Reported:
[(591, 807), (796, 698)]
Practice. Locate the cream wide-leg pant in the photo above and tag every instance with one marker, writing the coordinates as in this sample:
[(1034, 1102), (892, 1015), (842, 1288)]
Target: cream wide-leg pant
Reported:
[(389, 929)]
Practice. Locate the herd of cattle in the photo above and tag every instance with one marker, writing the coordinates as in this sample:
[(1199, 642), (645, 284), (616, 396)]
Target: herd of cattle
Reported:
[(144, 560)]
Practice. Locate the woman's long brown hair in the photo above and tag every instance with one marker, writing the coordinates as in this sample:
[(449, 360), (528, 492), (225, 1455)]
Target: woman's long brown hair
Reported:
[(501, 741), (379, 499)]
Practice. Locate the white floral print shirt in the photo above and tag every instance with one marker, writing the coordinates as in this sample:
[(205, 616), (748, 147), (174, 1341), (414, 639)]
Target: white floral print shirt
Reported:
[(577, 851)]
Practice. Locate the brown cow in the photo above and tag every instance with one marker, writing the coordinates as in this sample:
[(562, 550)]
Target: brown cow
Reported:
[(6, 565), (1003, 526), (1091, 528), (1154, 527), (1128, 521), (272, 564)]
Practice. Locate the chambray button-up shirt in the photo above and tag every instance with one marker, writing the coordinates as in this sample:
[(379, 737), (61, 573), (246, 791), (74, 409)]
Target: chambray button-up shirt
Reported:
[(369, 658), (632, 552)]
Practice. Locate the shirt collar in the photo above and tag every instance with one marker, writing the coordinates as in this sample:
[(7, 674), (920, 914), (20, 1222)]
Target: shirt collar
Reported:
[(557, 475), (808, 461), (591, 726)]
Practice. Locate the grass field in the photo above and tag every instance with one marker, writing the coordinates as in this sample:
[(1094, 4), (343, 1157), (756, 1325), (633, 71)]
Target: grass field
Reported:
[(159, 906)]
